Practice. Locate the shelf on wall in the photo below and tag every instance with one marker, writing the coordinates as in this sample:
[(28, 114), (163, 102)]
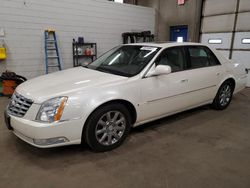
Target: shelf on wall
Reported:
[(83, 46)]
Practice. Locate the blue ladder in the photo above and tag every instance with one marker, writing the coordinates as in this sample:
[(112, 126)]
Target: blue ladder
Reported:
[(51, 50)]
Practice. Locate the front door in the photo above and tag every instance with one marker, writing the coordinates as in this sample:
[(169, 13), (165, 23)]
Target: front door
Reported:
[(165, 94)]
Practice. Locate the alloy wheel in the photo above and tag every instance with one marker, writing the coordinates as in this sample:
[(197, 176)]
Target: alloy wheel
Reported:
[(110, 128), (225, 95)]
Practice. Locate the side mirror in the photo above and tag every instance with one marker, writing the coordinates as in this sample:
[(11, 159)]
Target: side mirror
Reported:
[(160, 70)]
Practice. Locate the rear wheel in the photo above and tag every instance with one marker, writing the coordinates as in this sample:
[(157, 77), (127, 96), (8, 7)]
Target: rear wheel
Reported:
[(107, 127), (224, 96)]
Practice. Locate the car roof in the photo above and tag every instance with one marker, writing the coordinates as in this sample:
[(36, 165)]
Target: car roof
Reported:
[(166, 44)]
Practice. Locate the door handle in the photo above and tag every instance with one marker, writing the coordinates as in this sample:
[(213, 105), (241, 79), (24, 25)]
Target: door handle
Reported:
[(184, 81)]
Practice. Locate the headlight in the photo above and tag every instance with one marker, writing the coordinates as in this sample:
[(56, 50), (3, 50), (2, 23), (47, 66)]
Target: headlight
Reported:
[(51, 110)]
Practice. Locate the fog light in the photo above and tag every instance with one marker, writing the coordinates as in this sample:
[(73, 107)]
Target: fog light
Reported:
[(50, 141)]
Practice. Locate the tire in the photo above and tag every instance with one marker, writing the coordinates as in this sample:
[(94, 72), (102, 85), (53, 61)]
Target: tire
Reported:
[(107, 127), (223, 96)]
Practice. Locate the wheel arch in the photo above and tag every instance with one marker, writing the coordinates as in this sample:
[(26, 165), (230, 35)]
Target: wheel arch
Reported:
[(232, 80), (131, 109)]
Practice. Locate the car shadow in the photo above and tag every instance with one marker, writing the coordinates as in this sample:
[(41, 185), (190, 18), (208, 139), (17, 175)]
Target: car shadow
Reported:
[(83, 149), (165, 121)]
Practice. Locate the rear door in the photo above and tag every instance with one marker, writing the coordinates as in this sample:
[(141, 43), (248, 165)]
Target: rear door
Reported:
[(204, 72)]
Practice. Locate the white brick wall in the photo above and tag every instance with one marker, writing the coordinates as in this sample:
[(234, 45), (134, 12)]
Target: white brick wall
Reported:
[(98, 21)]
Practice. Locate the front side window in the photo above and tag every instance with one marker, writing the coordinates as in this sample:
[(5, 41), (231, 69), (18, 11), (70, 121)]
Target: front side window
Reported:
[(201, 57), (125, 60), (173, 57)]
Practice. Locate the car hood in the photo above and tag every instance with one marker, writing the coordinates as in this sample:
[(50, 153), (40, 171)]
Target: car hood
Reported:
[(65, 82)]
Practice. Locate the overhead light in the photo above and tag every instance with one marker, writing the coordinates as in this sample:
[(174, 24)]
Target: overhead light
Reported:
[(214, 41), (118, 1), (245, 41)]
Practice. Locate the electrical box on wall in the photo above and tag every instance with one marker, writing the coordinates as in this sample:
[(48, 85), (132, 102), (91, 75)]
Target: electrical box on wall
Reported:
[(2, 51)]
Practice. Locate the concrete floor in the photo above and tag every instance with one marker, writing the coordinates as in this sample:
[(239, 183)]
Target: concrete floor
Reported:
[(198, 148)]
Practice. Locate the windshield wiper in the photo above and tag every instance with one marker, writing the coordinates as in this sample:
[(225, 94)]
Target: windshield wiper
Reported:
[(85, 66), (103, 69)]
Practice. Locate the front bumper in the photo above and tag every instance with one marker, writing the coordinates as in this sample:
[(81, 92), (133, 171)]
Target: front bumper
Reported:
[(44, 135)]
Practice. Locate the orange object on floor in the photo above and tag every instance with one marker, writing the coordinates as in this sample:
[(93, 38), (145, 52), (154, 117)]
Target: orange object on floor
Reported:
[(9, 87)]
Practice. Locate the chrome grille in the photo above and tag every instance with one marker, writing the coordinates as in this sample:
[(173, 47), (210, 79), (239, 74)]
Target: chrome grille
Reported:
[(19, 105)]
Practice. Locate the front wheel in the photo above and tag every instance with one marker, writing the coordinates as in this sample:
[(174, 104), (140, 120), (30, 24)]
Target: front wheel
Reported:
[(107, 127), (224, 96)]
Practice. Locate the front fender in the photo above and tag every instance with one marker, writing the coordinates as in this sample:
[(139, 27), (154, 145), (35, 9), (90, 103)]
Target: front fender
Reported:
[(80, 105)]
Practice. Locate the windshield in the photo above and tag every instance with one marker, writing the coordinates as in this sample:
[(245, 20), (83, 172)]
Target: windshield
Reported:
[(125, 60)]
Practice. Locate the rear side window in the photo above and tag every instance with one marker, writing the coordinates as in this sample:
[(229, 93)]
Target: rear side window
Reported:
[(201, 57)]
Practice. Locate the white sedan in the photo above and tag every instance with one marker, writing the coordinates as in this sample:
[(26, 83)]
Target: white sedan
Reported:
[(126, 87)]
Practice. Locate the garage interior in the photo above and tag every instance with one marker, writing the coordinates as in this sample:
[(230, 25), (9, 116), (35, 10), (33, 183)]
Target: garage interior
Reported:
[(197, 148)]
